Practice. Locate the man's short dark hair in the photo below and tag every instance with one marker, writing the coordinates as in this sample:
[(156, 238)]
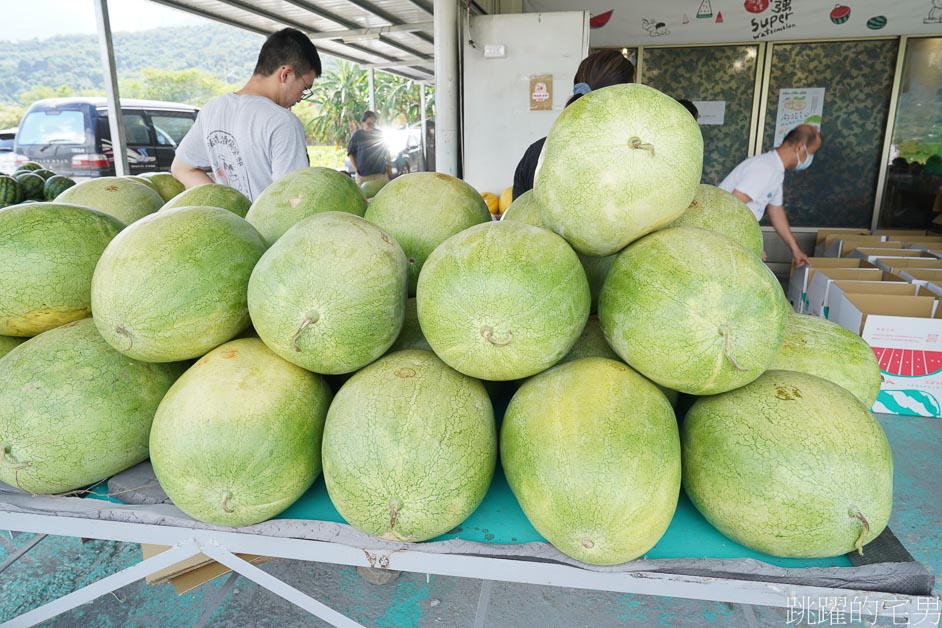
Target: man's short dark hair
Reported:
[(692, 108), (367, 115), (801, 134), (288, 46)]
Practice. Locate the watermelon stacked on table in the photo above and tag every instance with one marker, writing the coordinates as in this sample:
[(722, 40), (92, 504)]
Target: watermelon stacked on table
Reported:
[(311, 289)]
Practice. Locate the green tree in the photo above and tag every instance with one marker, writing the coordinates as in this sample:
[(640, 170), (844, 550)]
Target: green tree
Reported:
[(192, 86), (39, 92), (10, 115), (341, 97)]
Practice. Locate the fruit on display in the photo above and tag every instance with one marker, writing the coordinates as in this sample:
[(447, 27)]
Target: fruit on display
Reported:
[(478, 293), (591, 451), (330, 294), (411, 336), (122, 197), (211, 195), (656, 150), (371, 187), (8, 343), (591, 344), (32, 185), (165, 184), (423, 209), (56, 185), (11, 192), (410, 447), (300, 194), (73, 411), (506, 198), (791, 465), (718, 210), (524, 209), (172, 286), (493, 203), (48, 253), (693, 311), (821, 347), (237, 439)]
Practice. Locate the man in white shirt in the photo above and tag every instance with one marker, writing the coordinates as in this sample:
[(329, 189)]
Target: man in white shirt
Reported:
[(249, 138), (757, 181)]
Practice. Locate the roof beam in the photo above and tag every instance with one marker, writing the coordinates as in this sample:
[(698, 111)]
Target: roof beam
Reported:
[(389, 17), (377, 30), (210, 16)]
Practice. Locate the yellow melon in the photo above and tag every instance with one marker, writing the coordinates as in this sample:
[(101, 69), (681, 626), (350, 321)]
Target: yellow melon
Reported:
[(506, 198)]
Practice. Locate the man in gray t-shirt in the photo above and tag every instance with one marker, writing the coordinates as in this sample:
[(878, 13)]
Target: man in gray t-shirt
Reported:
[(249, 138)]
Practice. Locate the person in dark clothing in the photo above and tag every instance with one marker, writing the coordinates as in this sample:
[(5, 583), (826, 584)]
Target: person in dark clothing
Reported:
[(599, 69), (367, 151)]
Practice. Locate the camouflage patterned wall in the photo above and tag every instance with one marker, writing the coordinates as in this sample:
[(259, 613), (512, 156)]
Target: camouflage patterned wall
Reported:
[(838, 189), (724, 73)]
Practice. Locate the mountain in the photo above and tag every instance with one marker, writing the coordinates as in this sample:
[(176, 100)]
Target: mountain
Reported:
[(226, 52)]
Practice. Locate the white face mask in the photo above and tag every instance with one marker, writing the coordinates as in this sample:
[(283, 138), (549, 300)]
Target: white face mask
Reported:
[(803, 165)]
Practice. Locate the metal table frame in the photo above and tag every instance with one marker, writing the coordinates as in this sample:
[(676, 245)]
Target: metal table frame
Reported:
[(222, 547)]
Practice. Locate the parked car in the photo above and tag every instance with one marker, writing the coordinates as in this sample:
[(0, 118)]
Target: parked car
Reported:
[(7, 156), (407, 155), (71, 136)]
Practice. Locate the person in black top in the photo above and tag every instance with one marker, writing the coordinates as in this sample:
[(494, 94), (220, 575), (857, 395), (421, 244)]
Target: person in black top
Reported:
[(599, 69), (367, 151)]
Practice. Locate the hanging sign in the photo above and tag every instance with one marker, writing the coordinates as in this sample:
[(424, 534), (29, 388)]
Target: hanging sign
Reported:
[(541, 92), (796, 106)]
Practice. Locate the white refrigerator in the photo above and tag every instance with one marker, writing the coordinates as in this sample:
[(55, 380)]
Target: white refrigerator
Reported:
[(508, 103)]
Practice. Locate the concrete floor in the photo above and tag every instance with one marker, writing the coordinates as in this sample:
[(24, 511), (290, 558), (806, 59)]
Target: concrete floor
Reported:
[(58, 565)]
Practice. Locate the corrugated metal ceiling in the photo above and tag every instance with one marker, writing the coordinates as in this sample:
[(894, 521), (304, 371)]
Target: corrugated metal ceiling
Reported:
[(388, 34)]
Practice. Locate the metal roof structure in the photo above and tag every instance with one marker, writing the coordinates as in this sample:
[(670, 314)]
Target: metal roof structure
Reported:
[(390, 35)]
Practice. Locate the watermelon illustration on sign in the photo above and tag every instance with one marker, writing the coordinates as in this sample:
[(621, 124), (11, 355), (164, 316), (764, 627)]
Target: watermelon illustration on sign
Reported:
[(908, 362)]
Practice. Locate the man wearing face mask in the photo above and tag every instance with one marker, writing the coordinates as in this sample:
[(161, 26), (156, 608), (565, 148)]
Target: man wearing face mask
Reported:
[(757, 181)]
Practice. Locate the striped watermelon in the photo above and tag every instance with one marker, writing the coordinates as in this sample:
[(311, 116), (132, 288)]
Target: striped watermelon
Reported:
[(11, 192), (908, 362)]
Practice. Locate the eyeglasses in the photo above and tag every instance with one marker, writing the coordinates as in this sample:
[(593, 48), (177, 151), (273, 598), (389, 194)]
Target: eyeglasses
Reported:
[(307, 92)]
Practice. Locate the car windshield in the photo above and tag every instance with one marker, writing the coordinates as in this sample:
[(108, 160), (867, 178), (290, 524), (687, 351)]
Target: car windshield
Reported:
[(52, 127)]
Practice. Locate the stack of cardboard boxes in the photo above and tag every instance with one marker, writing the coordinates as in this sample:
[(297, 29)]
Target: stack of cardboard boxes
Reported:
[(886, 287)]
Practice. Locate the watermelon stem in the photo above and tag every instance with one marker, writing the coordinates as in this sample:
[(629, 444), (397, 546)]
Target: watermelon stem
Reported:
[(729, 352), (6, 455), (225, 502), (636, 143), (488, 333), (863, 533), (310, 318)]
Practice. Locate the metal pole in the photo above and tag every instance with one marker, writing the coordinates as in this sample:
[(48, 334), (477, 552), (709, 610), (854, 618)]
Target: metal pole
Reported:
[(370, 75), (446, 86), (115, 117), (424, 119), (888, 132)]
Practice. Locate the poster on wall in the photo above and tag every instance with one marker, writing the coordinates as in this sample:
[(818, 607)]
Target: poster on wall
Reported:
[(541, 92), (711, 111), (798, 105)]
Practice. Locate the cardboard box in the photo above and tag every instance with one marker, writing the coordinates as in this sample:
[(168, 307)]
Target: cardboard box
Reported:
[(801, 275), (896, 265), (921, 276), (871, 253), (841, 246), (906, 337), (816, 298), (819, 242), (188, 574), (841, 287), (900, 234)]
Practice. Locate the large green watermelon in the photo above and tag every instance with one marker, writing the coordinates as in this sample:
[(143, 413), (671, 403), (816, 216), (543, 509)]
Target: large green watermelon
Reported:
[(122, 197), (330, 294), (502, 300), (165, 183), (820, 347), (789, 465), (618, 163), (56, 185), (591, 344), (693, 311), (720, 211), (11, 192), (238, 438), (32, 185), (73, 411), (300, 194), (525, 209), (211, 195), (590, 448), (48, 253), (422, 210), (409, 447), (173, 285)]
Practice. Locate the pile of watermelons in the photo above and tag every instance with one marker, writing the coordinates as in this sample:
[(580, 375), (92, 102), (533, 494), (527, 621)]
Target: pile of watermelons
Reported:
[(31, 182), (245, 347)]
